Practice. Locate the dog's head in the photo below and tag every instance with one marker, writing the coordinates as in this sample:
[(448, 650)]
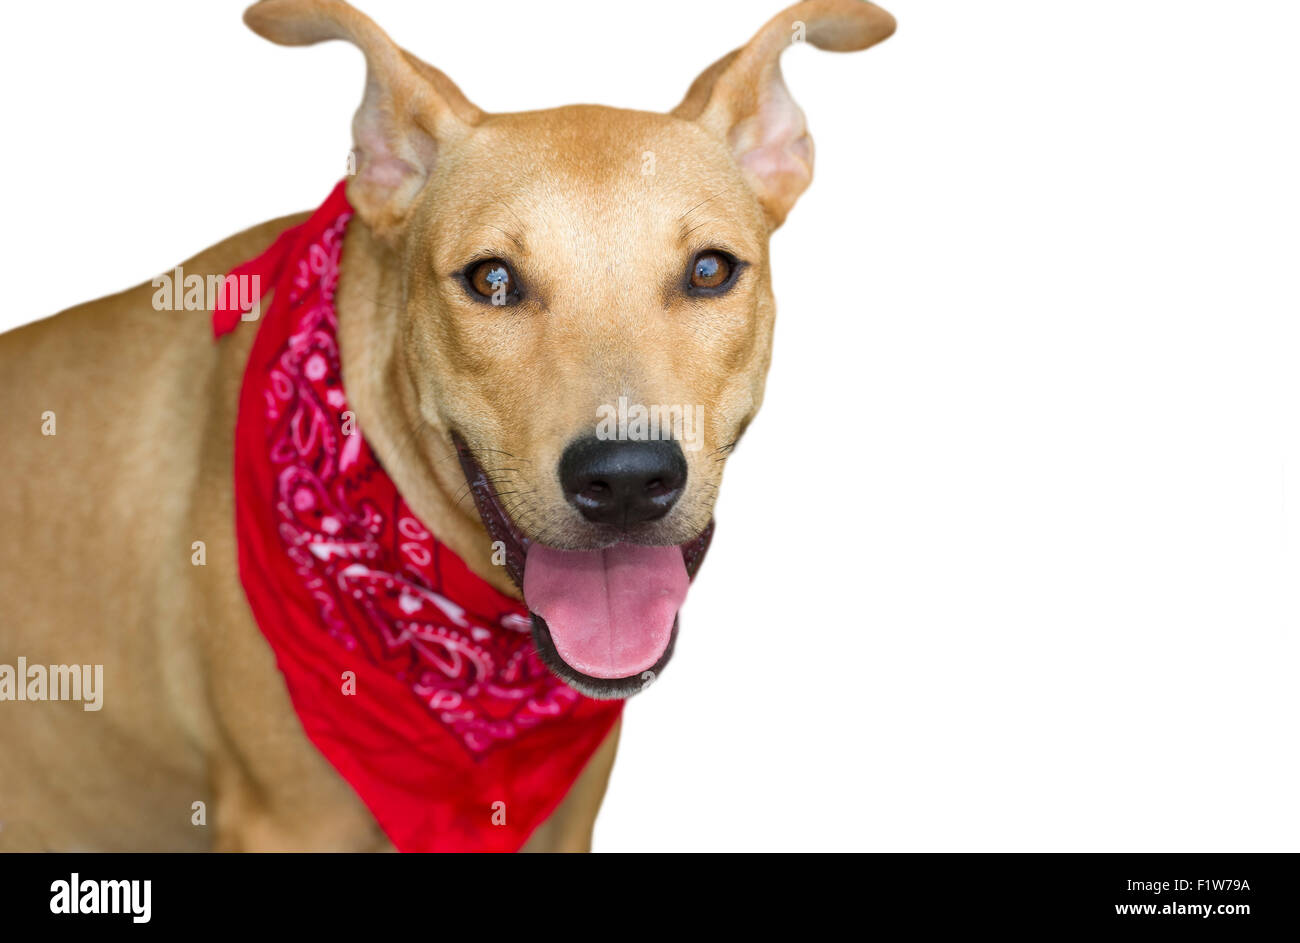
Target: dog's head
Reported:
[(578, 303)]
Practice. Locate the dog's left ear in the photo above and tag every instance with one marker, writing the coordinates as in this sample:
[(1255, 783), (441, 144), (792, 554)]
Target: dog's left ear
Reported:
[(742, 97), (410, 109)]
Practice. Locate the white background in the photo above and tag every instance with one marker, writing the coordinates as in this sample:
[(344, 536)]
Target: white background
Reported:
[(1008, 561)]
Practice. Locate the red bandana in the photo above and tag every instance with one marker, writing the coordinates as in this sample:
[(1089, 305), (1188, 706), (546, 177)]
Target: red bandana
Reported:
[(453, 733)]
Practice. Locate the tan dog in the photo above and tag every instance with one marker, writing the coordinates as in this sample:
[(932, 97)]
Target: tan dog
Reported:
[(611, 282)]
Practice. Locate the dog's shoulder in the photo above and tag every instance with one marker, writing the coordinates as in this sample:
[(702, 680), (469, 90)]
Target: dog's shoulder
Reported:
[(136, 352)]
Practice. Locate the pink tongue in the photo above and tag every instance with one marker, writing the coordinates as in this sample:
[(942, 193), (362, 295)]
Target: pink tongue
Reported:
[(610, 611)]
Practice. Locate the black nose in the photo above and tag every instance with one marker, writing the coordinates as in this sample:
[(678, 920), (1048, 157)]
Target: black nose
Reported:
[(623, 482)]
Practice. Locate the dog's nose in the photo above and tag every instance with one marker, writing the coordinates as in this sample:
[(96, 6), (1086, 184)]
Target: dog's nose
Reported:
[(623, 482)]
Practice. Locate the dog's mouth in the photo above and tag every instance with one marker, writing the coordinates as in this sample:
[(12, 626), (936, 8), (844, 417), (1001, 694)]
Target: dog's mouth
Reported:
[(605, 621)]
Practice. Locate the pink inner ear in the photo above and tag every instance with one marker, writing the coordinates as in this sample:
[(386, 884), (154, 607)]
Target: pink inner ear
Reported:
[(394, 156), (381, 141), (773, 147), (387, 173)]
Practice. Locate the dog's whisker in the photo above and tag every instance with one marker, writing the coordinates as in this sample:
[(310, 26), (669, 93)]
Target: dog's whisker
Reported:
[(509, 209), (447, 458), (509, 235), (701, 203)]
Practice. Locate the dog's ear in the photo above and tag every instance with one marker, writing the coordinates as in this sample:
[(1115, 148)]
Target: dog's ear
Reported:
[(409, 110), (743, 99)]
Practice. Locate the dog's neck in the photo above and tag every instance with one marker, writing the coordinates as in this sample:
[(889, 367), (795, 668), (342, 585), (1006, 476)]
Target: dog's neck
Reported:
[(413, 445)]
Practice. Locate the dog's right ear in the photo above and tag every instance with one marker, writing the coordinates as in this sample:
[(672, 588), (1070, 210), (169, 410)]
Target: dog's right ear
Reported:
[(409, 110)]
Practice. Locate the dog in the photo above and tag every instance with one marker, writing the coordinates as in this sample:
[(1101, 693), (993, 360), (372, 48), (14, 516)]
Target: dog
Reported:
[(515, 292)]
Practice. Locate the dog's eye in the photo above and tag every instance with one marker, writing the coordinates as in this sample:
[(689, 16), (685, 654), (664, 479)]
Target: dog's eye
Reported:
[(711, 271), (493, 280)]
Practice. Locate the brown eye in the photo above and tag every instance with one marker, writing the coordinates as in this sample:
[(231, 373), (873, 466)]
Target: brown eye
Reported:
[(710, 270), (493, 280)]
